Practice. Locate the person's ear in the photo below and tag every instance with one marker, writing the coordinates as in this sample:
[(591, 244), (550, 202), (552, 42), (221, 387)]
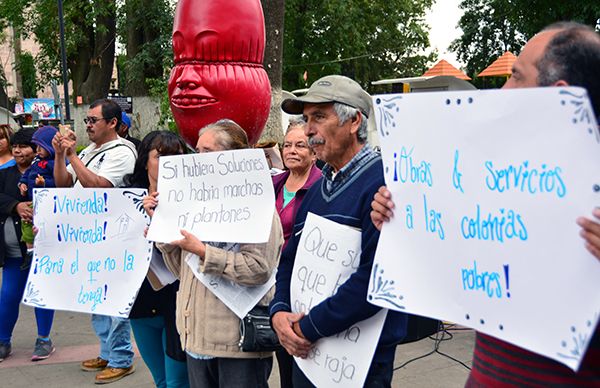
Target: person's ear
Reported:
[(356, 120), (561, 83)]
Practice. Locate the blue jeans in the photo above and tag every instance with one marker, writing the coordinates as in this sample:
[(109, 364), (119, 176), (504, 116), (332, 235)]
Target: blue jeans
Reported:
[(151, 338), (115, 340), (379, 376), (13, 285)]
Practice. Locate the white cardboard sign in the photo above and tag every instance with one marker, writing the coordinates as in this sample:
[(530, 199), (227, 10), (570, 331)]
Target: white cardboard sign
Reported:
[(328, 253), (217, 196), (487, 186), (90, 254), (238, 298)]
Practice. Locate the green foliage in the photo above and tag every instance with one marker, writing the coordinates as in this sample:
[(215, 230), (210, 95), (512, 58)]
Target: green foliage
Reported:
[(88, 35), (491, 27), (351, 37), (158, 89), (26, 67), (145, 27)]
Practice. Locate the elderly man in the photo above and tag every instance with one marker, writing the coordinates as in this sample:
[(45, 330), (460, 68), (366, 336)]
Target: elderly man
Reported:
[(562, 54), (336, 110), (103, 163)]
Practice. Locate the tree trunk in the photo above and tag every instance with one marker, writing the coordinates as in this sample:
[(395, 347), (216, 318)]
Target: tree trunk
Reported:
[(141, 32), (98, 80), (16, 37), (274, 11)]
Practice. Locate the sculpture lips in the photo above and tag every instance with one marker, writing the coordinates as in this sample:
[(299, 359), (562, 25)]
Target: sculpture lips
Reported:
[(191, 101)]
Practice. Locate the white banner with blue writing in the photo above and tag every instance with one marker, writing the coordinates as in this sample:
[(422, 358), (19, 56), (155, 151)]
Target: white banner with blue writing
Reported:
[(90, 253), (328, 254), (487, 187)]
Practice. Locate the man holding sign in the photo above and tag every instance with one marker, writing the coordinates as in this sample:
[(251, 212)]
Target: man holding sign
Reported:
[(563, 54), (336, 109), (103, 163)]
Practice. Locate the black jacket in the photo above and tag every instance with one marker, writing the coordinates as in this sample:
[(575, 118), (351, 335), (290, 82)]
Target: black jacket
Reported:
[(9, 198)]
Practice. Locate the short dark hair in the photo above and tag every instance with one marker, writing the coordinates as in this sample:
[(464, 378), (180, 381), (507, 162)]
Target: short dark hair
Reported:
[(110, 110), (573, 55), (166, 143), (23, 137)]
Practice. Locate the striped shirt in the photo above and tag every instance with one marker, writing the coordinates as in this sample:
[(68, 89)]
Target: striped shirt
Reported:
[(499, 364)]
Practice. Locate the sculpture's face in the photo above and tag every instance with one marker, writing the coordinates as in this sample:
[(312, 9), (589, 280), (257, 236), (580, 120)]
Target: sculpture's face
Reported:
[(218, 48)]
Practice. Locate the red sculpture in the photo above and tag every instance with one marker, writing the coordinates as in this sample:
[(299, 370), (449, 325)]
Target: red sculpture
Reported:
[(218, 48)]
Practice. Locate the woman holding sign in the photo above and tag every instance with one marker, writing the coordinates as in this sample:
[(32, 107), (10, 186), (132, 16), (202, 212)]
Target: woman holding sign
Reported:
[(152, 316), (13, 209), (209, 330), (290, 187)]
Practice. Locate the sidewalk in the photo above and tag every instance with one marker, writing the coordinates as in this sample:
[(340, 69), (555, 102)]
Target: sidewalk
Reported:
[(75, 341)]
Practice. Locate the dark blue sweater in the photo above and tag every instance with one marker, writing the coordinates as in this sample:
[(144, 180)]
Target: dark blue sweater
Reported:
[(348, 204)]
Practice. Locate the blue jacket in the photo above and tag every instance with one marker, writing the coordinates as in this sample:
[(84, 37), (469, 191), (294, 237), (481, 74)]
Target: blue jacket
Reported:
[(43, 167), (348, 204)]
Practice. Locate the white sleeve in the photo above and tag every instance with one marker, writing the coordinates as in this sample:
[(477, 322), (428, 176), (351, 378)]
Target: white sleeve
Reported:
[(117, 163)]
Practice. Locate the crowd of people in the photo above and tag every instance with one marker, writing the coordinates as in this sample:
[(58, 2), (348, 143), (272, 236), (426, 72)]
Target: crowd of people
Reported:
[(185, 334)]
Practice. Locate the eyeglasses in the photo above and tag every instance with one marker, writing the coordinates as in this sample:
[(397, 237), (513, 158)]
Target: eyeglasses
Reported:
[(92, 120)]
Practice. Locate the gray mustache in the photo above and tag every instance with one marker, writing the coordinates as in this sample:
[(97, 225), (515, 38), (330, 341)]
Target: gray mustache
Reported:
[(313, 141)]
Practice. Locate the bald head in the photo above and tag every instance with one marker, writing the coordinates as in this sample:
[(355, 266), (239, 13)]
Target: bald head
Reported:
[(562, 54), (572, 57)]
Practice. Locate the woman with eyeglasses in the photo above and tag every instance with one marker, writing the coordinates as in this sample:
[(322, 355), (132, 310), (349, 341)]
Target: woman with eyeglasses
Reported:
[(209, 330), (290, 188)]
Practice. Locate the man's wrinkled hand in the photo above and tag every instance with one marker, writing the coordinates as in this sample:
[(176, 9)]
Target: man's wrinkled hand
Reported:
[(283, 325)]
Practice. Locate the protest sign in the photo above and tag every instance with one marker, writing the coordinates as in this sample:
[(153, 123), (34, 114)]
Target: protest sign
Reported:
[(238, 298), (487, 186), (328, 253), (90, 254), (217, 196)]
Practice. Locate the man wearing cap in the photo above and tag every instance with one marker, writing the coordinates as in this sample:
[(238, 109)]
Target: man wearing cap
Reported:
[(336, 110), (103, 163), (123, 130)]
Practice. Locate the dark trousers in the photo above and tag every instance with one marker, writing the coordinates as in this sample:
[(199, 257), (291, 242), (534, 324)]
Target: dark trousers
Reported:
[(229, 372), (379, 376), (285, 363)]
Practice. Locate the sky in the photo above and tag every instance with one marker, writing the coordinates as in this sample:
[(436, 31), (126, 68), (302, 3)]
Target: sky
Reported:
[(443, 20)]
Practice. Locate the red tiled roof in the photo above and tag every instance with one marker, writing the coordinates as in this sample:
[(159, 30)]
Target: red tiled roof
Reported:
[(445, 68), (500, 67)]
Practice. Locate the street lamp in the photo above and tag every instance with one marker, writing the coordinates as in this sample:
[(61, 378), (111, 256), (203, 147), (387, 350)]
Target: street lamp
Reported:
[(64, 59)]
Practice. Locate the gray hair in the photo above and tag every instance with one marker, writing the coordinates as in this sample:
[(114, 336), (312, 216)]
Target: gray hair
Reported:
[(295, 121), (229, 135), (345, 113)]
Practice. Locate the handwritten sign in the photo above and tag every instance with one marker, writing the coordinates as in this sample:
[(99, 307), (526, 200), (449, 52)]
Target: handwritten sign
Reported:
[(238, 298), (90, 254), (328, 253), (218, 196), (487, 187)]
